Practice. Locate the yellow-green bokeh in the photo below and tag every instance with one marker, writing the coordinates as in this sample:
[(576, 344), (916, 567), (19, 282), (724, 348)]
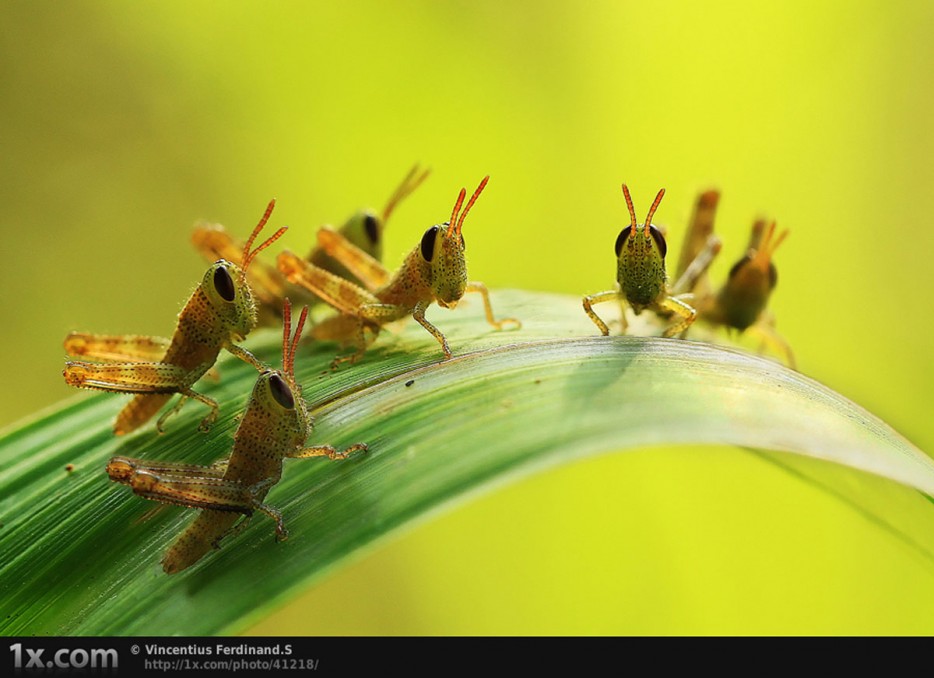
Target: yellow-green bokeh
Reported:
[(124, 122)]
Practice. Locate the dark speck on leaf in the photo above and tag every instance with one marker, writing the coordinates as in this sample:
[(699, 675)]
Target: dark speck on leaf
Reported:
[(410, 382)]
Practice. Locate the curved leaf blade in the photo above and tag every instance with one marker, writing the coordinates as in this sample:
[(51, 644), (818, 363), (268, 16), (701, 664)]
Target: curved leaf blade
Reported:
[(80, 555)]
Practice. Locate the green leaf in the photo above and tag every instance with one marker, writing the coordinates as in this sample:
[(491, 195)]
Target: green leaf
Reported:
[(80, 555)]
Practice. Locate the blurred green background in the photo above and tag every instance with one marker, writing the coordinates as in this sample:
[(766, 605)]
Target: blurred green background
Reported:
[(123, 123)]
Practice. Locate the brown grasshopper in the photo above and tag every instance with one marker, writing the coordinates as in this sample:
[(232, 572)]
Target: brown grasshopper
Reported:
[(220, 312), (740, 303), (640, 273), (274, 427), (434, 271), (364, 229)]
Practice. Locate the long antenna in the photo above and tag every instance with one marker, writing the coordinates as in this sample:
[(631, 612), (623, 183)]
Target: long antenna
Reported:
[(648, 219), (404, 190), (632, 210), (248, 256), (473, 199)]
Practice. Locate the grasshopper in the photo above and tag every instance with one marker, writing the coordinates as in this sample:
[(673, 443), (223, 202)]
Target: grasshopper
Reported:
[(364, 229), (740, 303), (640, 272), (274, 427), (219, 312), (434, 271)]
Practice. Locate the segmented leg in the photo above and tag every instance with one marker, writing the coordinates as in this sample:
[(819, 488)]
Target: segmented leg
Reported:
[(116, 348), (342, 294), (599, 298), (698, 267), (154, 384), (488, 308), (121, 469), (133, 377), (419, 315), (771, 339), (680, 308), (246, 357), (699, 230), (328, 451), (366, 268)]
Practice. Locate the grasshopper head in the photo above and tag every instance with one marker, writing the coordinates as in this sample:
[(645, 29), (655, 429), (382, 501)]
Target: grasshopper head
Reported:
[(365, 230), (640, 252), (226, 287), (752, 279), (442, 248), (278, 393)]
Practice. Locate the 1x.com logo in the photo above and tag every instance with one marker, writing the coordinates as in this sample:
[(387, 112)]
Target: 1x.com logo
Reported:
[(64, 658)]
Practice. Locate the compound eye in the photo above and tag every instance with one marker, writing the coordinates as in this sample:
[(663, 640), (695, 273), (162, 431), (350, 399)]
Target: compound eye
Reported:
[(659, 240), (224, 284), (428, 242), (621, 239), (281, 392), (371, 224), (773, 276)]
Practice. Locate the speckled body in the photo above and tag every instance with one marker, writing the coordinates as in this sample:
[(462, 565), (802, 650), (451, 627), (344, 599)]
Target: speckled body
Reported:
[(640, 271), (640, 274), (444, 277), (434, 271), (741, 301), (266, 435), (274, 426), (220, 312)]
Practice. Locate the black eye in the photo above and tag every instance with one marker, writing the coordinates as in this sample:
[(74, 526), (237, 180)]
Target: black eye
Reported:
[(371, 224), (621, 239), (773, 276), (224, 284), (281, 392), (428, 242), (659, 240)]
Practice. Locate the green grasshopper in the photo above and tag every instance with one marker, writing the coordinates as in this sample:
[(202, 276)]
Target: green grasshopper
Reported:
[(641, 275), (434, 271), (364, 229), (740, 303), (220, 312), (273, 428)]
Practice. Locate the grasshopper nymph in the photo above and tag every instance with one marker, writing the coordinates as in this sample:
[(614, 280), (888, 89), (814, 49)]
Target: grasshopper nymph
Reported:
[(740, 304), (640, 272), (274, 427), (364, 229), (219, 312), (434, 271)]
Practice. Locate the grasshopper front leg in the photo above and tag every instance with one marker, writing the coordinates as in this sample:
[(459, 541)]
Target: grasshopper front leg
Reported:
[(599, 298), (480, 288)]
